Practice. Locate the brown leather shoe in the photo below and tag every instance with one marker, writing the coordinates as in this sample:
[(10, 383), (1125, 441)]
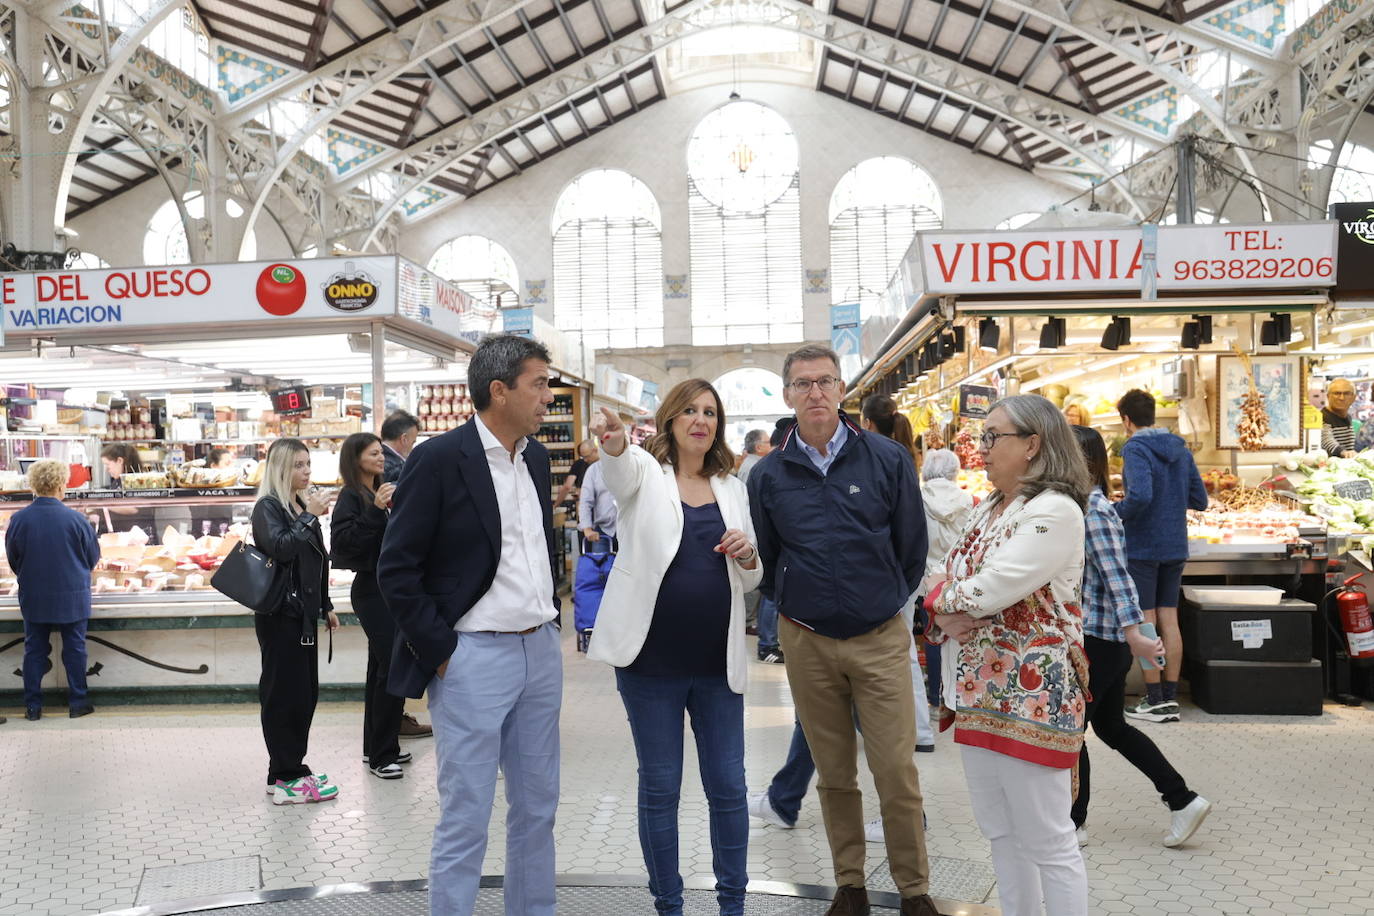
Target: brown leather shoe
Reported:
[(849, 901), (919, 906), (411, 728)]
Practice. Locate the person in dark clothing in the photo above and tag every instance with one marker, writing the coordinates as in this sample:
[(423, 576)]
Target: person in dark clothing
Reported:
[(52, 549), (1338, 429), (399, 432), (286, 527), (356, 528), (673, 627), (842, 536), (1162, 484)]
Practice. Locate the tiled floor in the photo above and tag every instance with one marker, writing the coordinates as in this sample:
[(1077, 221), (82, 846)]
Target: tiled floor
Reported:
[(93, 806)]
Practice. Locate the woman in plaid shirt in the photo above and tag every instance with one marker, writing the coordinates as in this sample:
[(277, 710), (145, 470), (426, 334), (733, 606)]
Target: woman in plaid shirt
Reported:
[(1111, 637)]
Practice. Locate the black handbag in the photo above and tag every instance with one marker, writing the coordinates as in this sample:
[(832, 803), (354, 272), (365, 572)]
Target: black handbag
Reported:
[(253, 579)]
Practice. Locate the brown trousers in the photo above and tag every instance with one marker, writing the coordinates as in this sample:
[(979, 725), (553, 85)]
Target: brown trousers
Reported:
[(831, 679)]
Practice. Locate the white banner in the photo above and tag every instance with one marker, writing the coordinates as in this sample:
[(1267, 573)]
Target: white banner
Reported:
[(164, 297), (1230, 257), (1270, 255)]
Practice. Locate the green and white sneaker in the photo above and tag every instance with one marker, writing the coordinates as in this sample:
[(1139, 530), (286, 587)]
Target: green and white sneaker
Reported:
[(1146, 711), (319, 777), (303, 791)]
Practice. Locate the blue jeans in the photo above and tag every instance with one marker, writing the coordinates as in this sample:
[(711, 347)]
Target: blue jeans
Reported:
[(37, 649), (768, 624), (789, 785), (655, 707)]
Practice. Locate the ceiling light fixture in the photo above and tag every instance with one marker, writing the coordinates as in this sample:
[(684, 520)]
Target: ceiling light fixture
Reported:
[(1054, 334), (1192, 335), (989, 335), (1204, 323)]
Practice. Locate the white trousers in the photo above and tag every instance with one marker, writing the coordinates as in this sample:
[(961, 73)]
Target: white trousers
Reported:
[(1023, 810), (924, 733)]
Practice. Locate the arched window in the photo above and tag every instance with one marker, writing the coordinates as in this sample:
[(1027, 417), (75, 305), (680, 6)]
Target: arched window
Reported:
[(87, 261), (608, 261), (744, 203), (165, 240), (875, 212), (1354, 178), (479, 267)]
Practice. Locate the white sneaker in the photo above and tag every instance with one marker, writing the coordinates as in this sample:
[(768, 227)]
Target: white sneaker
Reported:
[(873, 831), (390, 771), (1082, 836), (761, 808), (1186, 821)]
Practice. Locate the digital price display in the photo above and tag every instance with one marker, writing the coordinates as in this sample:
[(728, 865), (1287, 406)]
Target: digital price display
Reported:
[(295, 399)]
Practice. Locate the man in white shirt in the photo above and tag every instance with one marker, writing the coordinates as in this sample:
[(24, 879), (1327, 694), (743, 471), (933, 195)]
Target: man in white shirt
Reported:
[(467, 569)]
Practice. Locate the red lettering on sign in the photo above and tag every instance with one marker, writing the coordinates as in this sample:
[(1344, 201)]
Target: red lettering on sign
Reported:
[(1044, 273), (1004, 260), (7, 290), (947, 270)]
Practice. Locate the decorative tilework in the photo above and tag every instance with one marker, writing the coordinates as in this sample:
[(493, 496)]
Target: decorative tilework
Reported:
[(1156, 112), (1315, 28), (241, 75), (1259, 22), (421, 198), (347, 152)]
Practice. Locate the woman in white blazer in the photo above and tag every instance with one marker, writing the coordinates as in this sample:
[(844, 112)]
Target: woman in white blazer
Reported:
[(672, 624)]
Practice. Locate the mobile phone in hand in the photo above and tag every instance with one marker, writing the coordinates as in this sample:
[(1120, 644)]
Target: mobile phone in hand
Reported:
[(1151, 664)]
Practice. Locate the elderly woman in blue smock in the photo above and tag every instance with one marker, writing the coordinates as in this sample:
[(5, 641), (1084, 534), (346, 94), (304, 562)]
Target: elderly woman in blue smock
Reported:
[(52, 549), (672, 624)]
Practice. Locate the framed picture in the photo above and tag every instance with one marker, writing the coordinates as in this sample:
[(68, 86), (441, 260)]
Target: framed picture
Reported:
[(1279, 381)]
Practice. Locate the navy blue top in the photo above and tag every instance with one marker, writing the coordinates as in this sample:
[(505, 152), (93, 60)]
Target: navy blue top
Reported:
[(52, 549), (692, 613)]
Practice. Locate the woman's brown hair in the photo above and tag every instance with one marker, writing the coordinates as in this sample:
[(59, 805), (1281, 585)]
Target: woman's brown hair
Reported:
[(719, 460), (349, 454), (881, 410), (123, 450)]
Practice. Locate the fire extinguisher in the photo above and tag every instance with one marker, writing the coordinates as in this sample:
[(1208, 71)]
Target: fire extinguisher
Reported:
[(1353, 605)]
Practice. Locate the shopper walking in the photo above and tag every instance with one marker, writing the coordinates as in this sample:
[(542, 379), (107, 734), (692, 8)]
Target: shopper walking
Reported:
[(286, 527), (467, 571), (756, 448), (1162, 484), (52, 550), (880, 415), (1009, 601), (673, 627), (766, 623), (842, 536), (1111, 638), (948, 509), (356, 527), (596, 520)]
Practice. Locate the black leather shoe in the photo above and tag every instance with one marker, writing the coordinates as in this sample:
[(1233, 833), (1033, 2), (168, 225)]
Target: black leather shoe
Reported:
[(33, 713), (919, 906), (849, 901), (79, 711)]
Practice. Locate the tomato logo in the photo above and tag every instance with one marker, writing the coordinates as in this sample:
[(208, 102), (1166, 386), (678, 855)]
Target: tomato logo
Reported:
[(281, 289)]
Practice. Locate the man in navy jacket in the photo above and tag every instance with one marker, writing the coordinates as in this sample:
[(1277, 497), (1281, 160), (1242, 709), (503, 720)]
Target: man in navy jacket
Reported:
[(467, 569), (837, 513)]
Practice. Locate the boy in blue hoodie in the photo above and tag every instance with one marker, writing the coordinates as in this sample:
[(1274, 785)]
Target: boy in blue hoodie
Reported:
[(1162, 484)]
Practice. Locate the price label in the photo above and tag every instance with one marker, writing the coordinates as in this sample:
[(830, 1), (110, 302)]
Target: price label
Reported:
[(1355, 489)]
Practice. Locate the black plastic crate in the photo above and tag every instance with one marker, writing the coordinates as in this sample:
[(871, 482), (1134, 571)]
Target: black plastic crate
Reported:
[(1247, 632), (1257, 688)]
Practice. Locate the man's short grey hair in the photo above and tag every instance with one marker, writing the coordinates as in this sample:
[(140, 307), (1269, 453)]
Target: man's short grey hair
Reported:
[(1059, 465), (500, 358), (940, 463), (752, 440), (806, 354)]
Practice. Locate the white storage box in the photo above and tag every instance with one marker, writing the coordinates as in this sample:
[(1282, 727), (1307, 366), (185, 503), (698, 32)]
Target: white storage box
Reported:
[(1233, 594)]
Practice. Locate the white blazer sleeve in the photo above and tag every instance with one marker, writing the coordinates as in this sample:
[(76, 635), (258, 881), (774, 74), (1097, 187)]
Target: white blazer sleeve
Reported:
[(1048, 539), (625, 474), (750, 578)]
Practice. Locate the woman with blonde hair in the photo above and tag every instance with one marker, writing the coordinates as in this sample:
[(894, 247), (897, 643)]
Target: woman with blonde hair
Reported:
[(52, 550), (672, 624), (286, 527), (1009, 599)]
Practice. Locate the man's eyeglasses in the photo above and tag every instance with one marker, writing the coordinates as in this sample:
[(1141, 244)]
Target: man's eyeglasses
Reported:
[(803, 385), (988, 440)]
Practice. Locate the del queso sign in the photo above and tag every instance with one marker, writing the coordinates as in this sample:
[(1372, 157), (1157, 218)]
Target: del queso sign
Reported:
[(135, 297), (1223, 256)]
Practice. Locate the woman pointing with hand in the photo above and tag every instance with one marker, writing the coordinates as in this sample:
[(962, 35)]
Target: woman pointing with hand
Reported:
[(672, 624)]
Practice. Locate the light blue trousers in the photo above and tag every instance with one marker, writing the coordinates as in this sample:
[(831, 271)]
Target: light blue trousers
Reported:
[(498, 703)]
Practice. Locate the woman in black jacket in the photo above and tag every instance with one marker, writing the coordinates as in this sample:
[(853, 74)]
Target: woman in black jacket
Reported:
[(286, 527), (355, 540)]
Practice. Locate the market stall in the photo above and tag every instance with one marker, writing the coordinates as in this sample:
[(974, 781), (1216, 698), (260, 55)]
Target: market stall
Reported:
[(174, 362), (1221, 323)]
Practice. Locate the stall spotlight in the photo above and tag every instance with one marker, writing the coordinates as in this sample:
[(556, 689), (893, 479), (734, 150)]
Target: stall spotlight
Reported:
[(1204, 324), (1283, 325), (1124, 324), (933, 355), (923, 368), (948, 345), (1192, 335), (1117, 334), (1053, 334), (989, 335), (960, 338)]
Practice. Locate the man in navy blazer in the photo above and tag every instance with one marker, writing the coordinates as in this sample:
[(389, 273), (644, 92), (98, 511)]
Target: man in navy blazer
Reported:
[(467, 569)]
